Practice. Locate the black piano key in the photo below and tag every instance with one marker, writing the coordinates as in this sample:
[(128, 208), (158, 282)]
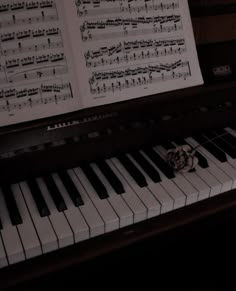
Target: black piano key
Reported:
[(146, 166), (133, 170), (111, 177), (71, 189), (167, 145), (228, 137), (38, 198), (11, 205), (202, 161), (222, 144), (210, 147), (95, 181), (159, 162), (55, 193)]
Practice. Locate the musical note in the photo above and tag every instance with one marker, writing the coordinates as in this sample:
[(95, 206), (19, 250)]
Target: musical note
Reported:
[(25, 6), (124, 78), (34, 60), (33, 67), (29, 34), (96, 8), (12, 43), (31, 48), (41, 73), (117, 27), (28, 20), (129, 51), (17, 99)]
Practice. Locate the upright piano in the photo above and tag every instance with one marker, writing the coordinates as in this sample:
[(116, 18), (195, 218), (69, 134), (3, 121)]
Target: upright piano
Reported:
[(90, 193)]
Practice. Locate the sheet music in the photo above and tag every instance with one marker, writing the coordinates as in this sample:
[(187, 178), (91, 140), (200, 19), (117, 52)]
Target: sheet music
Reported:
[(58, 56), (36, 69), (128, 49)]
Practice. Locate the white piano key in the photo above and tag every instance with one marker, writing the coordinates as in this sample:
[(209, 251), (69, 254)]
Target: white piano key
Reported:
[(102, 205), (42, 225), (29, 238), (195, 180), (172, 189), (166, 201), (190, 191), (152, 205), (174, 192), (75, 218), (10, 236), (130, 197), (229, 170), (214, 184), (222, 177), (199, 184), (58, 220), (163, 202), (208, 179), (177, 196), (231, 131), (3, 256), (214, 168), (125, 214), (90, 213), (227, 167)]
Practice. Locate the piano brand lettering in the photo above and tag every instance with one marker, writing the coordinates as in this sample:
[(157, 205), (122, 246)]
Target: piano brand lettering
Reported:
[(222, 71), (81, 121)]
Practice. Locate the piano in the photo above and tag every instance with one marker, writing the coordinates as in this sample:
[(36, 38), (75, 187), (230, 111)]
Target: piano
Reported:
[(90, 193)]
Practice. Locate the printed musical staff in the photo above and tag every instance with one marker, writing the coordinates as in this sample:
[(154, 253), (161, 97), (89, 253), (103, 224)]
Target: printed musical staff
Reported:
[(33, 67), (31, 48), (36, 73), (34, 60), (31, 40), (118, 27), (12, 99), (130, 46), (128, 77), (34, 51), (25, 6), (29, 34), (129, 51), (28, 20), (39, 74), (95, 8), (18, 13)]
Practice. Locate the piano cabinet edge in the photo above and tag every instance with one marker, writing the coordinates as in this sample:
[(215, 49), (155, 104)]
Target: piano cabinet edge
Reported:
[(219, 208), (21, 167)]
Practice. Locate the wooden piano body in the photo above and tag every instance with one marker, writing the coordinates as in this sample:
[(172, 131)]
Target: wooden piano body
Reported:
[(34, 148)]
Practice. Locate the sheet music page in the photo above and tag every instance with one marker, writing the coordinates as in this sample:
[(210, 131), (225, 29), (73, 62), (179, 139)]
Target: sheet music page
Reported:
[(36, 69), (125, 49)]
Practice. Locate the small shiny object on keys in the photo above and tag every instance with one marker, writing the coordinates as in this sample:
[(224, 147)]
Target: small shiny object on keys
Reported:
[(182, 158)]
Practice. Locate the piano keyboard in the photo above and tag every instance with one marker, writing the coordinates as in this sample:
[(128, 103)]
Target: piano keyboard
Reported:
[(54, 211)]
